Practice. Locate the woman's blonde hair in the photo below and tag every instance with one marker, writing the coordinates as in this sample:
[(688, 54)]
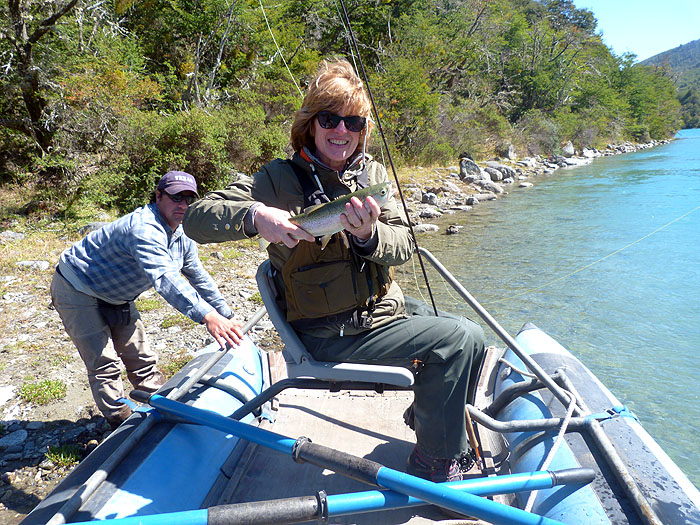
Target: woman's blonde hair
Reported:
[(335, 87)]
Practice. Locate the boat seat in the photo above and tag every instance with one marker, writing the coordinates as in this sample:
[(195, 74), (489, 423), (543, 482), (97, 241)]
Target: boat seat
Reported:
[(301, 364)]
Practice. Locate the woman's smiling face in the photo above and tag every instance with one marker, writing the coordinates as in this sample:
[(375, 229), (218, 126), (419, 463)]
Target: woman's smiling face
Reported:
[(335, 146)]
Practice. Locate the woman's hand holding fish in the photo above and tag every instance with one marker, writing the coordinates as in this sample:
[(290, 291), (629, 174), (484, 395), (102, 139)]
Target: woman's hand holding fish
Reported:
[(359, 218), (273, 225)]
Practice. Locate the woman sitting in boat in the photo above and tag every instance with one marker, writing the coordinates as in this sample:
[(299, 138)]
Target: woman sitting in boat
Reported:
[(340, 297)]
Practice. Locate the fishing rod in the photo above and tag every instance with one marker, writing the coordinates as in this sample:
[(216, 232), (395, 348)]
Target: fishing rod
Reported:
[(351, 34)]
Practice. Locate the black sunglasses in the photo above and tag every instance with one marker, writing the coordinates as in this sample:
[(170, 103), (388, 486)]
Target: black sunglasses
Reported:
[(179, 197), (328, 120)]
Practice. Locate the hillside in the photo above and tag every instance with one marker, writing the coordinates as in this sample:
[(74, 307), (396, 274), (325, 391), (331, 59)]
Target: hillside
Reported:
[(97, 103), (684, 63)]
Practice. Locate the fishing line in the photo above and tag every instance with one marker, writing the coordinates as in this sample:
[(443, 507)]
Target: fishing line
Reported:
[(351, 33), (598, 261), (262, 8)]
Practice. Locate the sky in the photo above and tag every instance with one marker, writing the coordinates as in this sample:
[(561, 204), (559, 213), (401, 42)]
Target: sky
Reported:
[(645, 27)]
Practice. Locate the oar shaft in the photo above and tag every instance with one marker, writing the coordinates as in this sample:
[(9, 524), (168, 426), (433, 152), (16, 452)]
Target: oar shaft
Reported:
[(358, 468), (211, 419), (308, 508)]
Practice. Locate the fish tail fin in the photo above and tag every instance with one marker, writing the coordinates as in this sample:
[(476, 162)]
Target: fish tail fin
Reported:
[(263, 243)]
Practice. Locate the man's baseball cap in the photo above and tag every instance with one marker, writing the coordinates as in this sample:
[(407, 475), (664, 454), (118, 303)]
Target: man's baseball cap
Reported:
[(176, 181)]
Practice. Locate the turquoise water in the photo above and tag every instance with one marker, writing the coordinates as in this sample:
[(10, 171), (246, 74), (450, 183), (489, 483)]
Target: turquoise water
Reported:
[(606, 259)]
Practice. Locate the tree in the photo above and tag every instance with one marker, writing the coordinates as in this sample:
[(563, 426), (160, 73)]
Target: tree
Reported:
[(28, 23)]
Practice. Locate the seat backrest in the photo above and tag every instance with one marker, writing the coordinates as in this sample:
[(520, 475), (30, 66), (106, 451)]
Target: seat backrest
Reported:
[(301, 364)]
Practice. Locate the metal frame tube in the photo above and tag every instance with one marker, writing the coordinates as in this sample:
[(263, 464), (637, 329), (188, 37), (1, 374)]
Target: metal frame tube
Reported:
[(308, 384), (500, 331)]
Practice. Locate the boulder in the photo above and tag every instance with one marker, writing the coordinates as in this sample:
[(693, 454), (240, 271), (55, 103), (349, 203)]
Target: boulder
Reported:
[(568, 149), (13, 439), (494, 173), (9, 236), (468, 168), (34, 265), (429, 198), (91, 227), (507, 151), (425, 228), (429, 213)]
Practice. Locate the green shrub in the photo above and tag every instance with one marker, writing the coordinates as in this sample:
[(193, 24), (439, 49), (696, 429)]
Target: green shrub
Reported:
[(64, 455), (212, 145), (42, 392), (540, 132)]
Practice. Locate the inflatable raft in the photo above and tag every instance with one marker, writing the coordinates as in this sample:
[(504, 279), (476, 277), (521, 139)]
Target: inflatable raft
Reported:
[(556, 446)]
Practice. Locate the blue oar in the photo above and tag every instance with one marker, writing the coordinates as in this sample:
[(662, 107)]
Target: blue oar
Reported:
[(310, 508), (358, 468)]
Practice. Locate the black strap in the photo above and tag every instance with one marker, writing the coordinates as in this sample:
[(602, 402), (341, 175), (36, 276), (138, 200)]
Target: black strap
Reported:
[(313, 195)]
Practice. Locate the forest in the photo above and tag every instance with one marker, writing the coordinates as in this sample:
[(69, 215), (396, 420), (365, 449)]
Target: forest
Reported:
[(101, 97)]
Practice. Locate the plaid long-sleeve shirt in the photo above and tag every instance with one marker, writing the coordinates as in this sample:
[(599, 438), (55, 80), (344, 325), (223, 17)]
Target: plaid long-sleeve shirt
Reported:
[(139, 251)]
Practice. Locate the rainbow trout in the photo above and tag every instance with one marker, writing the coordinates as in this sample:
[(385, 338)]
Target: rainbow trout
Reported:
[(323, 220)]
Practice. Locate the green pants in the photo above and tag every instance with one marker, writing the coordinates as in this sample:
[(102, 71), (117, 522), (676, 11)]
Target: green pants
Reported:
[(450, 350)]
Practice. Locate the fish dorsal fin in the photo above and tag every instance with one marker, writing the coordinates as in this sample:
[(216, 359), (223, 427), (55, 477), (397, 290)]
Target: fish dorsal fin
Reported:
[(314, 208)]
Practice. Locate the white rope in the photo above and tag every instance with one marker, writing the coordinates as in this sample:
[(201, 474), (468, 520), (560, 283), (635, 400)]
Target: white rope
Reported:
[(523, 373), (553, 450)]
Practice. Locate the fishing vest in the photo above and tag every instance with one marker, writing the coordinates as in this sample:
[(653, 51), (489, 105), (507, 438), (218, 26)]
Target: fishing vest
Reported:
[(330, 285)]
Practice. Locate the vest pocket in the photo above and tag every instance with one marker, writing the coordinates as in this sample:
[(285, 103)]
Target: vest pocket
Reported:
[(321, 290)]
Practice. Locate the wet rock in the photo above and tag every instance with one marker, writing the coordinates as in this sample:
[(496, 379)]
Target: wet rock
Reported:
[(472, 200), (425, 228), (453, 229)]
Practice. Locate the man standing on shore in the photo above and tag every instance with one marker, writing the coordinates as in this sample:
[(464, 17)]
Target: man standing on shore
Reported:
[(98, 279)]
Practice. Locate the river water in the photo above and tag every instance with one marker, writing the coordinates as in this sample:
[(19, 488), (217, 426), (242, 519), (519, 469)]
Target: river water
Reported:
[(606, 259)]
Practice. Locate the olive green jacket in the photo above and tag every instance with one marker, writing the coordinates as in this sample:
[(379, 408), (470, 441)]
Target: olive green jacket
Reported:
[(219, 217)]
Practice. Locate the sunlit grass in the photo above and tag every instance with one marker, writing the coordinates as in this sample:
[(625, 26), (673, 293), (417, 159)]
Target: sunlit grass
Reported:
[(148, 304), (175, 364), (64, 455), (180, 320), (42, 392)]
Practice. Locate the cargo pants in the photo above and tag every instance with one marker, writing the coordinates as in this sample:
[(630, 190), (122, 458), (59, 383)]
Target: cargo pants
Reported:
[(102, 346), (449, 350)]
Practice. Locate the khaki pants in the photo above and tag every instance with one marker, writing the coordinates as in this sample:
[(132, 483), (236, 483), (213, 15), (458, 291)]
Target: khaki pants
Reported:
[(102, 346)]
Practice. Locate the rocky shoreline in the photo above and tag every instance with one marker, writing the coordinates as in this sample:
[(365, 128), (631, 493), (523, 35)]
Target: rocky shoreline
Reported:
[(33, 343), (460, 188)]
